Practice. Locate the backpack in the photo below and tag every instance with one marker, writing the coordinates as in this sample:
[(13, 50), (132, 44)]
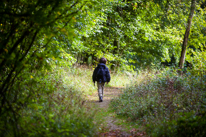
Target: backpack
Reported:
[(100, 74)]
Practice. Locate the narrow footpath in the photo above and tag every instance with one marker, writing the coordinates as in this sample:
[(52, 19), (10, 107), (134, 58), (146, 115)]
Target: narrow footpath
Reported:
[(110, 120)]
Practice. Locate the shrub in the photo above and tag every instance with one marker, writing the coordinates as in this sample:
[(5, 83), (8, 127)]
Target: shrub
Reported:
[(46, 104), (160, 97), (188, 124)]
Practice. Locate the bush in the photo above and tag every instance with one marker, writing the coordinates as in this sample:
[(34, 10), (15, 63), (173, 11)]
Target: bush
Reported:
[(46, 104), (160, 97), (187, 125)]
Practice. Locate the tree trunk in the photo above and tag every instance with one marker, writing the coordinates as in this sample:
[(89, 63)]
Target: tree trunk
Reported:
[(187, 32)]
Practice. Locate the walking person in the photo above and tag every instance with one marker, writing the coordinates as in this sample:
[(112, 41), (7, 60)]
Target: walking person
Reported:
[(101, 75)]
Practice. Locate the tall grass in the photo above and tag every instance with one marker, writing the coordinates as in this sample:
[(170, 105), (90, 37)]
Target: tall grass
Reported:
[(81, 78), (53, 103), (160, 97), (48, 104), (122, 79)]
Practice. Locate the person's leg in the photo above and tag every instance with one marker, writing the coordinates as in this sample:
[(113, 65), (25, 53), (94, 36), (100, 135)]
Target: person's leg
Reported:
[(100, 91)]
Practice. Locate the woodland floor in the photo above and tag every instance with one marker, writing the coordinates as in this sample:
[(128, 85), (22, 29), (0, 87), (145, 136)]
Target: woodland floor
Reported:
[(110, 128)]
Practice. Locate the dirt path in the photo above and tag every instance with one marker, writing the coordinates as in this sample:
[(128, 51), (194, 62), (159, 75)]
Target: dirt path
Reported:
[(113, 130)]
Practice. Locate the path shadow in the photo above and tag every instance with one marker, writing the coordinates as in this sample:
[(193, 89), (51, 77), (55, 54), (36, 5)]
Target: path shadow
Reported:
[(97, 101)]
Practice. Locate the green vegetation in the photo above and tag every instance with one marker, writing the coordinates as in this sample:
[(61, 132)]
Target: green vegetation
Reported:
[(57, 108), (42, 92), (160, 97)]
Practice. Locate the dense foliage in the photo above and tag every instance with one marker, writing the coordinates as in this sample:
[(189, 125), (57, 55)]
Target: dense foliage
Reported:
[(39, 35), (47, 104), (167, 103), (141, 33), (34, 101)]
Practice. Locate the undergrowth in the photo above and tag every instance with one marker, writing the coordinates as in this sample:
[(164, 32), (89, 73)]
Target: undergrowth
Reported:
[(81, 78), (47, 104), (54, 103), (159, 99)]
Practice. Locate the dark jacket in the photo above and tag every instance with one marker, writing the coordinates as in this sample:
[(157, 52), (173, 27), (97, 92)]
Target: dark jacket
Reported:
[(106, 76)]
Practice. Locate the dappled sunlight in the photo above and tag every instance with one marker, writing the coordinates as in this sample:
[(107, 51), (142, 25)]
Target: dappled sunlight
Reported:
[(154, 51)]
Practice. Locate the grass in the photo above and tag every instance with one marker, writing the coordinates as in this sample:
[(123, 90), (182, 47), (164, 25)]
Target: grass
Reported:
[(77, 84), (159, 97), (50, 104), (81, 78), (154, 101), (122, 79)]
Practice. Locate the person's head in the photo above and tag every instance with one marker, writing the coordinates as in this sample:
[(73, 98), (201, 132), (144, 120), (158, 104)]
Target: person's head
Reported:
[(103, 60)]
